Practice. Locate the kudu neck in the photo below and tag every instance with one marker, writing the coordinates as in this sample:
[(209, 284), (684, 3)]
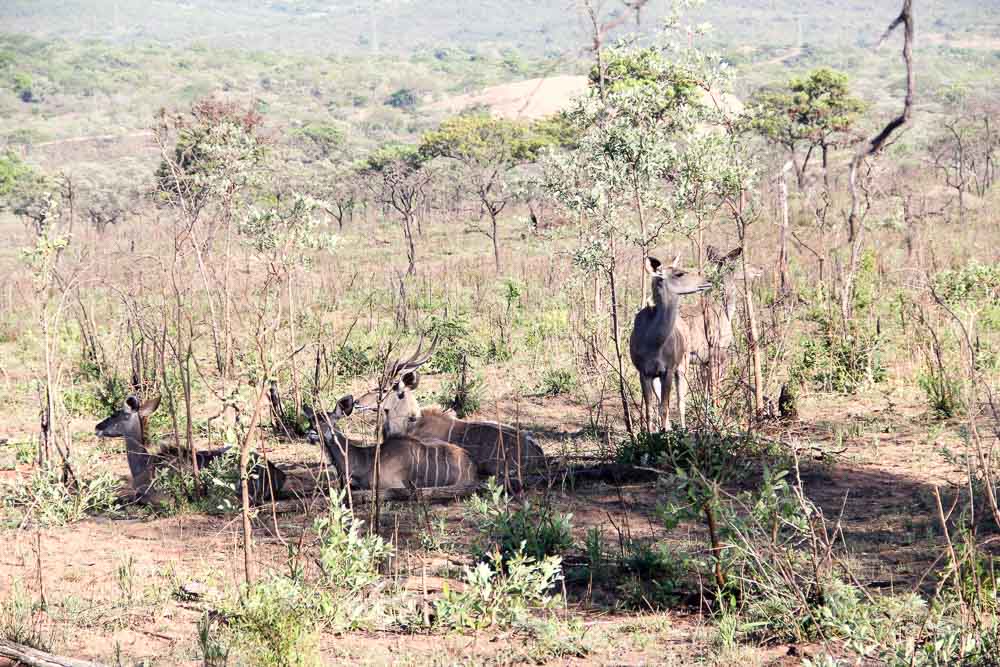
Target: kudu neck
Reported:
[(666, 303)]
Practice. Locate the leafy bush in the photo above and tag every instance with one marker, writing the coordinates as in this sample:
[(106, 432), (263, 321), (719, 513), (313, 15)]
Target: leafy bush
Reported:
[(349, 560), (463, 394), (841, 359), (55, 499), (943, 392), (404, 98), (276, 623), (500, 592), (654, 577), (508, 529), (353, 361), (557, 382)]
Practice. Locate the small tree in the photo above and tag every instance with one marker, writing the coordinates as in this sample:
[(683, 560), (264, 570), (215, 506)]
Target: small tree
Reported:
[(397, 176), (489, 151), (815, 111)]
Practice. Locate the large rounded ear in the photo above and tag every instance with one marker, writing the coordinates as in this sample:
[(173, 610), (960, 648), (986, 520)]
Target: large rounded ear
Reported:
[(677, 261), (309, 413), (132, 404), (411, 379), (346, 405), (149, 407), (652, 265)]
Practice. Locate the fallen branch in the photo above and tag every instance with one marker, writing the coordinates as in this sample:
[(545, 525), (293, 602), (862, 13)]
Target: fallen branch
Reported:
[(25, 655)]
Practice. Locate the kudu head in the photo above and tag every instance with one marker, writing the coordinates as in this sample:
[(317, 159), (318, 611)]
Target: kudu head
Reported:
[(128, 420), (327, 421), (399, 406), (728, 268), (674, 280)]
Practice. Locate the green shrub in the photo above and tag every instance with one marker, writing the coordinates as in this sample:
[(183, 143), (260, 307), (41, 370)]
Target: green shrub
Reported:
[(349, 560), (276, 623), (500, 592), (654, 577), (841, 359), (943, 392), (507, 529), (54, 499), (557, 382)]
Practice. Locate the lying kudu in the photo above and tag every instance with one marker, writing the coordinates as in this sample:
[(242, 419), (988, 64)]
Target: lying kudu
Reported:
[(660, 343), (497, 449), (404, 461), (264, 483)]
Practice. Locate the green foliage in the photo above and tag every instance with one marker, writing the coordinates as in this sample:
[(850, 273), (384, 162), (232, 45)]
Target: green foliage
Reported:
[(500, 592), (652, 576), (463, 394), (219, 153), (320, 140), (294, 223), (404, 98), (817, 109), (19, 621), (557, 382), (349, 559), (22, 85), (841, 359), (276, 623), (13, 172), (507, 529), (395, 158), (943, 392), (974, 286), (482, 140), (650, 73), (354, 361), (54, 499)]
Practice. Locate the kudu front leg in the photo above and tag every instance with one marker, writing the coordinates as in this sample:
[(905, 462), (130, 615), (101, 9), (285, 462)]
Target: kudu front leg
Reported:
[(666, 384), (648, 395)]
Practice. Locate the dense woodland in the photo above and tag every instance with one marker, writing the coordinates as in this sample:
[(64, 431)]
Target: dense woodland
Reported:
[(233, 228)]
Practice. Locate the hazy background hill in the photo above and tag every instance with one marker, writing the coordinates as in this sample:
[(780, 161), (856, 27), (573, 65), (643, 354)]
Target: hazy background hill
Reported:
[(401, 26), (80, 80)]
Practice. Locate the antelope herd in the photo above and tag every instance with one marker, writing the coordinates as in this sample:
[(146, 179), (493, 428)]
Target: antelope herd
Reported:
[(423, 448)]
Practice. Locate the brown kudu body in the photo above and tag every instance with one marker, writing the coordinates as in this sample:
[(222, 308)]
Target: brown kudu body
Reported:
[(403, 461), (497, 449)]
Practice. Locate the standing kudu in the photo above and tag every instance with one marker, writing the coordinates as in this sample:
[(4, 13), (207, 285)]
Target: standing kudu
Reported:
[(711, 326), (660, 342), (497, 449), (404, 461), (264, 482)]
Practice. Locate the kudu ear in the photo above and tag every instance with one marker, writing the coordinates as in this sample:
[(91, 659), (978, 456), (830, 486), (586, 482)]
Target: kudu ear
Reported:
[(733, 254), (132, 404), (346, 405), (677, 261), (309, 413), (149, 407), (652, 265), (411, 379)]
